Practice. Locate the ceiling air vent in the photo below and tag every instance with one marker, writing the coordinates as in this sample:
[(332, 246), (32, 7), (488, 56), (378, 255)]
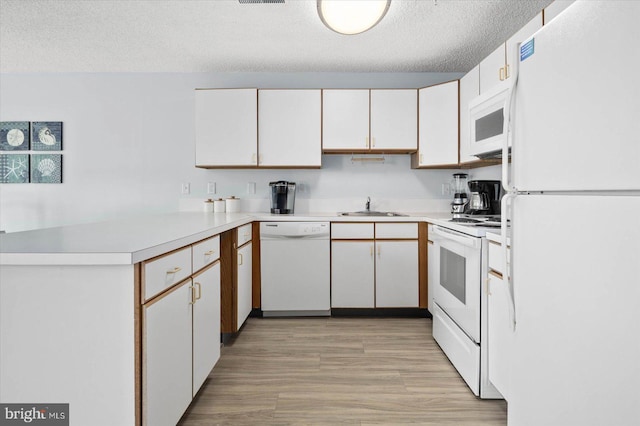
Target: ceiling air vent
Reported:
[(260, 1)]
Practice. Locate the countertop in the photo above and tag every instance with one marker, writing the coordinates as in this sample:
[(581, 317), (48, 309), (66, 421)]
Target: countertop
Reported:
[(130, 241)]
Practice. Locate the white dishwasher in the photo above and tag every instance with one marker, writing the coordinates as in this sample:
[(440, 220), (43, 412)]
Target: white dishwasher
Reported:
[(295, 268)]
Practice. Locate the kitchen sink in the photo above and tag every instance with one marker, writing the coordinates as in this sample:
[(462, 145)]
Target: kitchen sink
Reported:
[(370, 213)]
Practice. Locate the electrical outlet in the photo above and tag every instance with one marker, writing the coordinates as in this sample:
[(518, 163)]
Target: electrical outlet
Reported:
[(211, 188), (251, 188), (186, 188)]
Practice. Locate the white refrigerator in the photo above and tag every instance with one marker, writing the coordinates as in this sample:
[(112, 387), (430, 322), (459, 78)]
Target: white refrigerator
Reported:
[(573, 204)]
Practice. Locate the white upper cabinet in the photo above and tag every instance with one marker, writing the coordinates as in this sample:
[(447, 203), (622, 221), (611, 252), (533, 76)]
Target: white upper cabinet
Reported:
[(345, 119), (469, 89), (370, 120), (555, 8), (226, 127), (492, 69), (394, 120), (438, 124), (289, 125), (498, 66)]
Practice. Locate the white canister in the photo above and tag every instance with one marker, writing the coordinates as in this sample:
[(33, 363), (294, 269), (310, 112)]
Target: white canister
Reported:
[(208, 205), (233, 205), (219, 205)]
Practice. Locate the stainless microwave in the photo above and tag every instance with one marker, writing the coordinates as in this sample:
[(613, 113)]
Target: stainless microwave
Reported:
[(487, 129)]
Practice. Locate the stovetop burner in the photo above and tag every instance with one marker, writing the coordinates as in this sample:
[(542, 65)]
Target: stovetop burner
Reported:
[(489, 221), (464, 220)]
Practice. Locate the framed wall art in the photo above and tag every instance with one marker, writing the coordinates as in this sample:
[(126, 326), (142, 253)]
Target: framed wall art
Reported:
[(46, 168), (14, 168), (14, 136), (46, 136)]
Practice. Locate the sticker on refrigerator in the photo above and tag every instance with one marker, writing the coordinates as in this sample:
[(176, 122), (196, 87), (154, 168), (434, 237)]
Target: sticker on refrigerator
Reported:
[(527, 49)]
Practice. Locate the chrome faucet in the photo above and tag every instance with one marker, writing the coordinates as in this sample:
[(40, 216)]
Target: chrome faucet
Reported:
[(368, 205)]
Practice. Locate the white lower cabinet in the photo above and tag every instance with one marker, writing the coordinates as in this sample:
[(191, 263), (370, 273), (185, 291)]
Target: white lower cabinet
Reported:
[(367, 272), (352, 274), (397, 274), (181, 345), (166, 368), (500, 335), (245, 290), (206, 324), (431, 268)]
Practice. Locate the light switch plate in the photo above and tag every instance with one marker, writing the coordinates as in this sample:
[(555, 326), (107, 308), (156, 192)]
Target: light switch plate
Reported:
[(211, 188), (186, 188)]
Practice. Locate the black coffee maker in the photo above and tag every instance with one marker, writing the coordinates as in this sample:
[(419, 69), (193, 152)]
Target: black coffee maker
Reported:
[(283, 197), (484, 197)]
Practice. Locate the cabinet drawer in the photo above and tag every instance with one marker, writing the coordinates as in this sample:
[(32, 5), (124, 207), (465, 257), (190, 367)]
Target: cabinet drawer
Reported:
[(206, 252), (496, 257), (244, 234), (397, 230), (352, 231), (164, 271)]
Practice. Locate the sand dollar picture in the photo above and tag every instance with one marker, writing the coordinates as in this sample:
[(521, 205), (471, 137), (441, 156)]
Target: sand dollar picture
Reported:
[(14, 136)]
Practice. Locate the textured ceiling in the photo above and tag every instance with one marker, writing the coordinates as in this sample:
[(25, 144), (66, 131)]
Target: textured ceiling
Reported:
[(226, 36)]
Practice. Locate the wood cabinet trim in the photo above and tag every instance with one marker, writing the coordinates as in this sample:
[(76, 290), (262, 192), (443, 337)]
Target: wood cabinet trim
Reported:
[(354, 240), (137, 336), (169, 253), (228, 282), (256, 284), (423, 265), (205, 269), (166, 292)]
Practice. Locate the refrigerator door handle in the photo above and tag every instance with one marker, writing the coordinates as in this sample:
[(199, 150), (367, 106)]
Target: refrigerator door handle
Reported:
[(508, 128), (507, 216)]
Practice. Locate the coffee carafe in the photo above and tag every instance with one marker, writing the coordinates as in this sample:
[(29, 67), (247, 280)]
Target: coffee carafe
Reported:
[(460, 200), (283, 196), (484, 197)]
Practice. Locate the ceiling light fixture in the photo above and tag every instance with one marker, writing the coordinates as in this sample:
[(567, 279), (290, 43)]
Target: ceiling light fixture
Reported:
[(352, 16)]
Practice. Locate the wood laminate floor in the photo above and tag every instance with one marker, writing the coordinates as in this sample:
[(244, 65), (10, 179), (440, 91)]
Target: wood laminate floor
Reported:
[(333, 371)]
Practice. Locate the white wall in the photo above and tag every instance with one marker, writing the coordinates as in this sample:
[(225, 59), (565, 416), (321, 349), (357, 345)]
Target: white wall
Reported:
[(129, 144)]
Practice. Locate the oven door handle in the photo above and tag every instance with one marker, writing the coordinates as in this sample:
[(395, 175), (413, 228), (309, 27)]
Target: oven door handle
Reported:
[(447, 234)]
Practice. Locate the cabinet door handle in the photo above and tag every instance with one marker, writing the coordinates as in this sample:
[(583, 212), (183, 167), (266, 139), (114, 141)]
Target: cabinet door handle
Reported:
[(254, 159), (506, 72), (487, 281), (174, 270), (366, 142), (199, 288), (373, 142), (209, 253), (260, 159), (240, 259), (378, 251), (193, 295), (421, 158), (371, 250), (501, 73)]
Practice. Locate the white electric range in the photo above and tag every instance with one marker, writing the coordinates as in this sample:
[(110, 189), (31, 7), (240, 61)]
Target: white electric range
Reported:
[(458, 267)]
